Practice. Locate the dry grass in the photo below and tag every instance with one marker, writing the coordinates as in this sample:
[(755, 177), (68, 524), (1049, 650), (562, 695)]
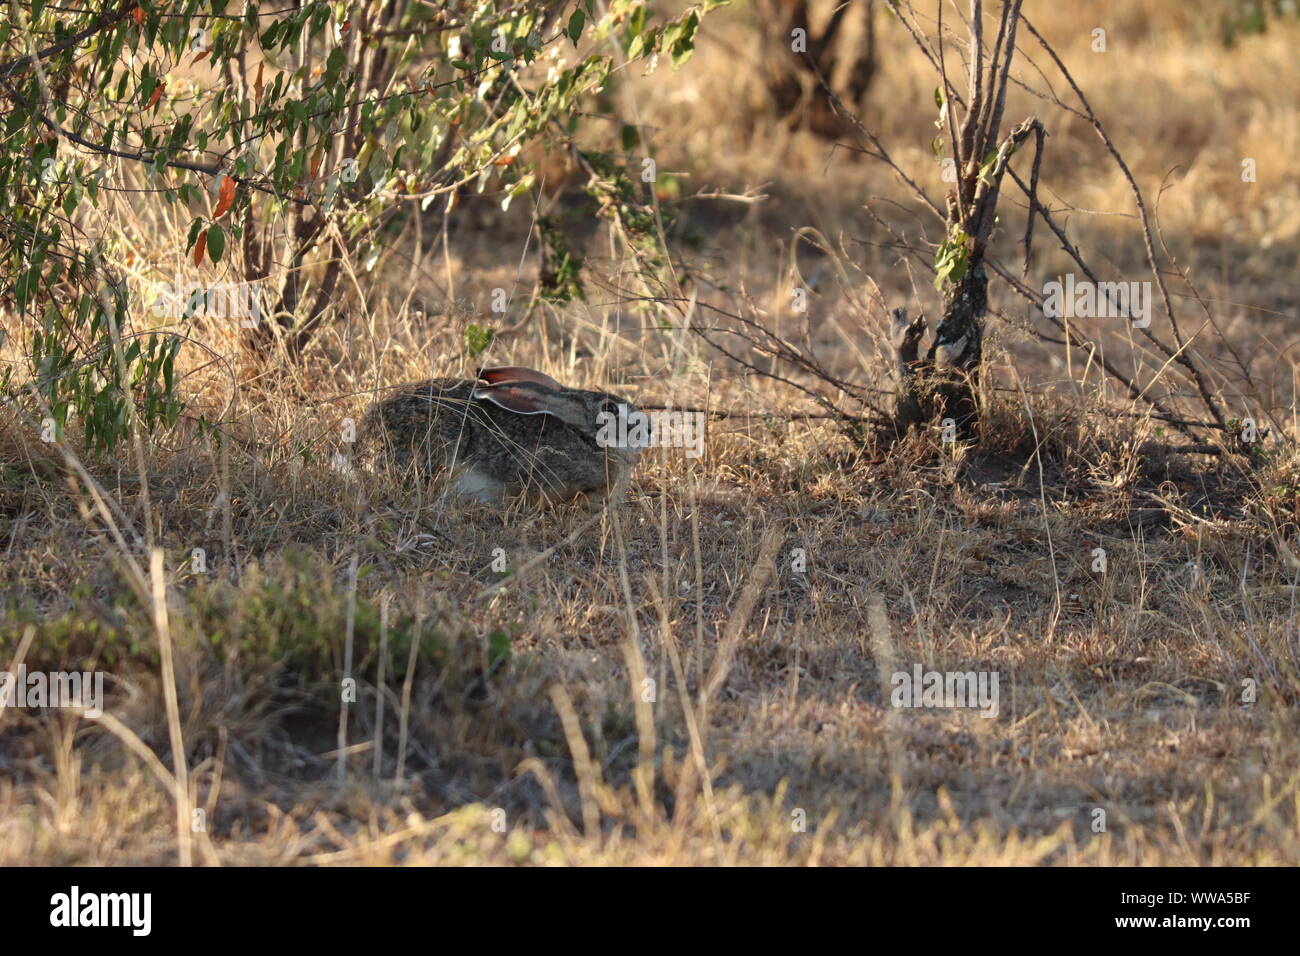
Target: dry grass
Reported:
[(766, 733)]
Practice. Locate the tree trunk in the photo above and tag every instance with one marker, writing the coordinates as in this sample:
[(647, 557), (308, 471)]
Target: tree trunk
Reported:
[(942, 389), (958, 351), (791, 74)]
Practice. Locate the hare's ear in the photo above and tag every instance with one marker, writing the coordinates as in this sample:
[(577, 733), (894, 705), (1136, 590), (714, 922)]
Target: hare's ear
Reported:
[(525, 399), (503, 374)]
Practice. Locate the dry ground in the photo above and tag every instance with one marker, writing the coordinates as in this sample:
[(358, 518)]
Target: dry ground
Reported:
[(661, 683)]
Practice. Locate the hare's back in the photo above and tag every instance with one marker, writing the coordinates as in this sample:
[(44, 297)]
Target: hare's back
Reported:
[(427, 415), (412, 407)]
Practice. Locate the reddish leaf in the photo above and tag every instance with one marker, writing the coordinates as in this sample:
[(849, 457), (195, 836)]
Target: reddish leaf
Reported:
[(157, 95), (257, 86), (200, 247), (226, 198), (199, 57), (315, 162), (138, 16)]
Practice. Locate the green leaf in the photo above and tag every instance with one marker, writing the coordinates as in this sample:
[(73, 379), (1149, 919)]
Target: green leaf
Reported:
[(576, 23), (987, 166), (684, 45), (216, 242), (334, 64), (477, 339), (498, 648)]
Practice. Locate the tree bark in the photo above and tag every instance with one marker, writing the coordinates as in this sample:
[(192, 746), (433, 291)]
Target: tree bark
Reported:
[(791, 76), (958, 352), (944, 384)]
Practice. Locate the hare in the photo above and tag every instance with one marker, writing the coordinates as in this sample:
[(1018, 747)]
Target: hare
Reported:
[(513, 431)]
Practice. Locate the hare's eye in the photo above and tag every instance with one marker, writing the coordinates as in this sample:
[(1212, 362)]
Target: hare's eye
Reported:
[(609, 408)]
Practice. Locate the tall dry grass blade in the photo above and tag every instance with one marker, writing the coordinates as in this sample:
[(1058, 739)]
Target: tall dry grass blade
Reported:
[(341, 768), (162, 625), (770, 543), (887, 664), (379, 685), (583, 766), (408, 682)]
